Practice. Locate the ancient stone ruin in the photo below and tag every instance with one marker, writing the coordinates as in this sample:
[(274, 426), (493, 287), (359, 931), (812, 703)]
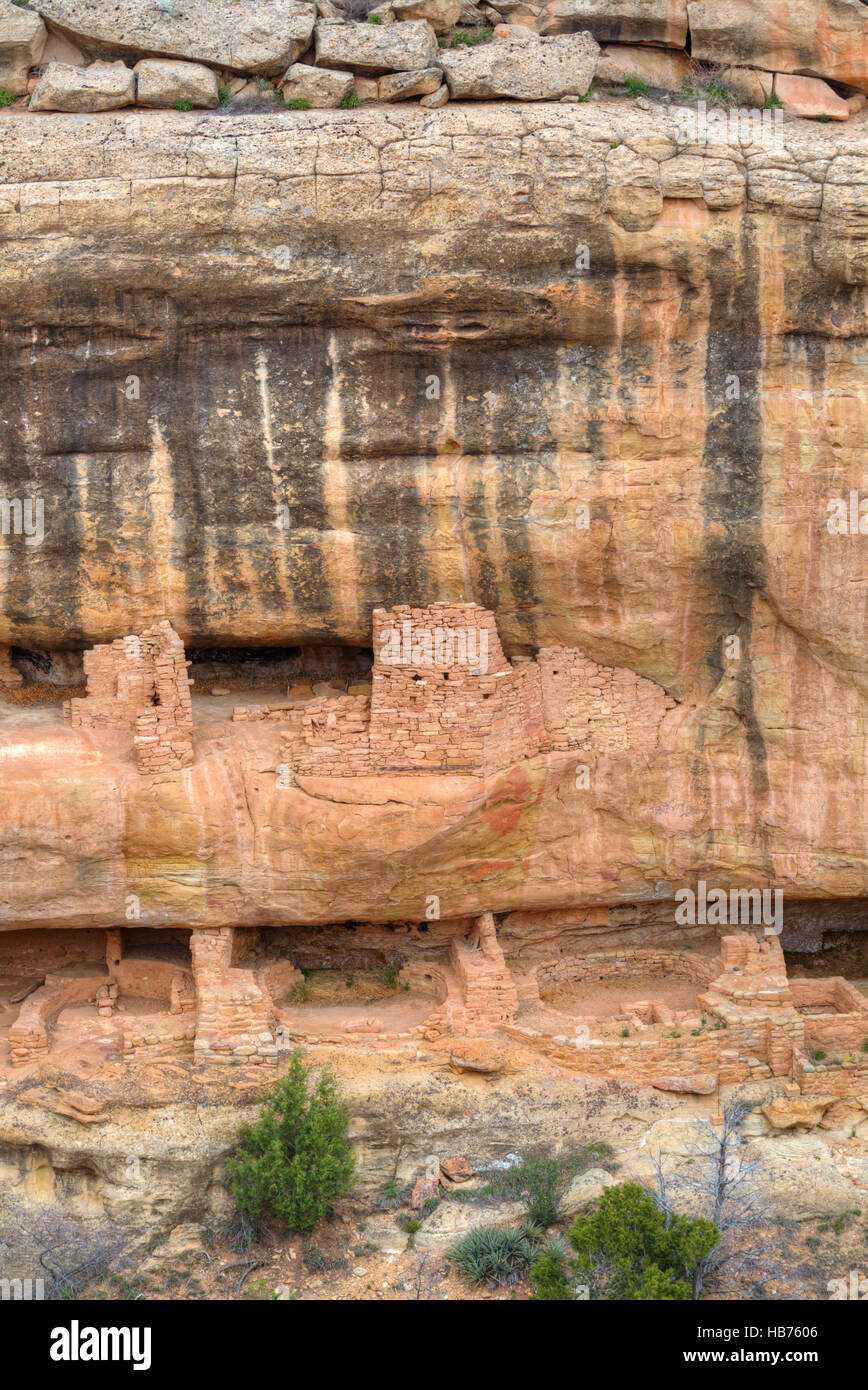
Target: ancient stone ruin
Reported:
[(140, 684), (445, 698)]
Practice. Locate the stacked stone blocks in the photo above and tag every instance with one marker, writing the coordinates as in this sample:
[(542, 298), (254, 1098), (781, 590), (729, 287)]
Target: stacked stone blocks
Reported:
[(445, 699), (140, 683)]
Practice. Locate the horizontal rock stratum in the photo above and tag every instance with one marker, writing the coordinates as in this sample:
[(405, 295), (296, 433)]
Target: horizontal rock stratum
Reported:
[(541, 357)]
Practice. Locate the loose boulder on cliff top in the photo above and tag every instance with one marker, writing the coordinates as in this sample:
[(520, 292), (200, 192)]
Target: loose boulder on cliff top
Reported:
[(164, 82), (322, 87), (810, 97), (525, 67), (656, 66), (398, 86), (101, 87), (22, 39), (610, 21), (371, 48), (442, 15), (257, 36), (821, 38)]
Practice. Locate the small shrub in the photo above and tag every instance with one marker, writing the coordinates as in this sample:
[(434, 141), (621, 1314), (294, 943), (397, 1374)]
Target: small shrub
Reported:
[(636, 87), (818, 1055), (298, 104), (243, 1229), (6, 98), (708, 81), (656, 1285), (625, 1032), (224, 94), (548, 1273), (296, 1159), (350, 981), (463, 39), (771, 101), (718, 95), (375, 19), (865, 1044), (630, 1249), (183, 105), (391, 1197), (540, 1181), (410, 1225), (349, 102), (494, 1254)]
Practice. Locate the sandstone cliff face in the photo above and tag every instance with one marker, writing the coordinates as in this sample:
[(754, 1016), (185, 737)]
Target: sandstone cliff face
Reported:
[(437, 338), (378, 323)]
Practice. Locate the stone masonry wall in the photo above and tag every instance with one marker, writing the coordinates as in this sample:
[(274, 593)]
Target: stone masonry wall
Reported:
[(490, 995), (826, 1078), (616, 964), (140, 683), (599, 708), (335, 738), (164, 732), (844, 1030), (234, 1018), (28, 1035), (445, 698), (119, 685), (670, 1063), (757, 1032)]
